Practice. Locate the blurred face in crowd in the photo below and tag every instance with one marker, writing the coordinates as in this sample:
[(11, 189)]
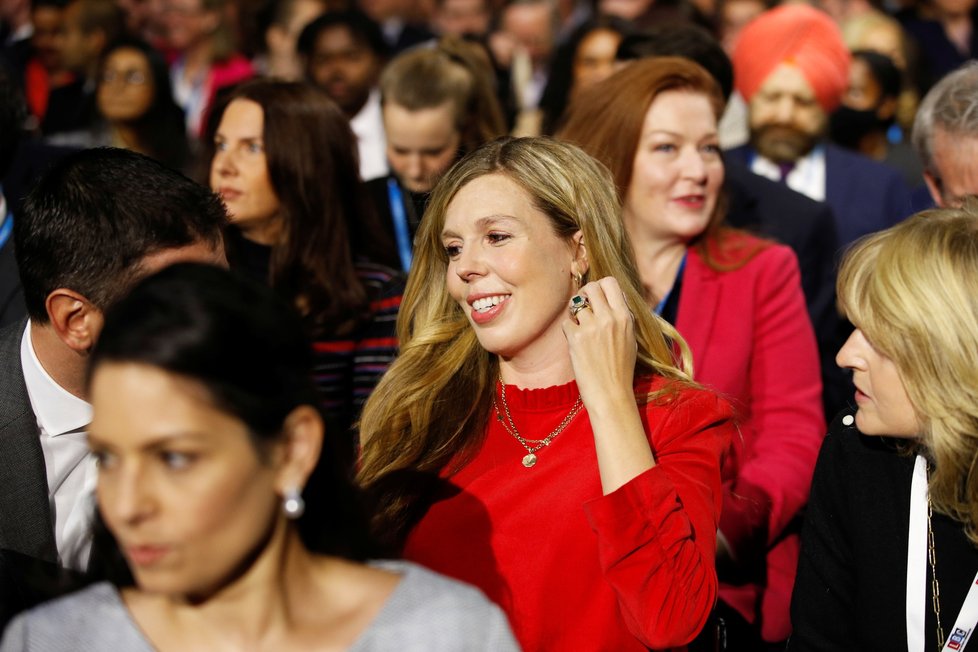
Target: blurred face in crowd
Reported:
[(461, 17), (125, 90), (627, 9), (239, 172), (594, 60), (422, 144), (48, 24), (786, 121), (78, 49), (281, 38), (956, 163), (677, 172), (881, 399), (181, 486), (734, 16), (343, 66), (186, 23), (531, 28)]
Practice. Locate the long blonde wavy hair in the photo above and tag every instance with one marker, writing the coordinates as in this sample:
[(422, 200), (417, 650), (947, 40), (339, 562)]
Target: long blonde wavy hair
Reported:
[(431, 408), (913, 291)]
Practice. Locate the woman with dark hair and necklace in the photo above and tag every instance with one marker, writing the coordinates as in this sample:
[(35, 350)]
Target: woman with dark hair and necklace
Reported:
[(537, 436), (889, 557)]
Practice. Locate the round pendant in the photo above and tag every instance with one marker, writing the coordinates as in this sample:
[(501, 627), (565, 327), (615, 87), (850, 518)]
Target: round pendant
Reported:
[(529, 460)]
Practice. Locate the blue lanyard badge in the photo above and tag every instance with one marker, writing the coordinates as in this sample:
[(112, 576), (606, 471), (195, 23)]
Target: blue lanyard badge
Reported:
[(404, 245), (6, 229)]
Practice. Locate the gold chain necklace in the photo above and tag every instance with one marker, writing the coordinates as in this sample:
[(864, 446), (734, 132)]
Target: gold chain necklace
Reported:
[(935, 589), (531, 445)]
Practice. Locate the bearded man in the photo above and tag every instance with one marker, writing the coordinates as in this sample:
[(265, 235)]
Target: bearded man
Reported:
[(792, 67)]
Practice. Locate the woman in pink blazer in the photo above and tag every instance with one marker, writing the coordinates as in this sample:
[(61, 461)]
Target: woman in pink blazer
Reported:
[(737, 300)]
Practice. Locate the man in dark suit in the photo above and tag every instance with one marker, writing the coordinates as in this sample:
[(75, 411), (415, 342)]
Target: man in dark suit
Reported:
[(945, 135), (792, 67), (94, 225)]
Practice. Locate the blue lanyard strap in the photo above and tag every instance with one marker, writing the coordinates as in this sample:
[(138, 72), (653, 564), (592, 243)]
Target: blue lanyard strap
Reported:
[(401, 233), (6, 229), (679, 274)]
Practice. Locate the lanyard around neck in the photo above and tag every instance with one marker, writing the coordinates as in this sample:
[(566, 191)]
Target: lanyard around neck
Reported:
[(401, 232), (967, 618)]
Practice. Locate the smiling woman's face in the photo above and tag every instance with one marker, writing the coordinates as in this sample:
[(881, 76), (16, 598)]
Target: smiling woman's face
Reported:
[(677, 172), (181, 485)]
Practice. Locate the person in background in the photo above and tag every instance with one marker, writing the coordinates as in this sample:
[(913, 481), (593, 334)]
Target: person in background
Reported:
[(284, 163), (586, 58), (89, 27), (792, 67), (945, 135), (738, 303), (438, 105), (202, 41), (537, 436), (945, 36), (890, 546), (42, 70), (461, 18), (231, 517), (343, 53), (281, 23), (522, 46), (868, 110), (136, 107)]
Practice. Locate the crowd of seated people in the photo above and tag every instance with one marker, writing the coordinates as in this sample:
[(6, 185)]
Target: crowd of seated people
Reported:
[(471, 325)]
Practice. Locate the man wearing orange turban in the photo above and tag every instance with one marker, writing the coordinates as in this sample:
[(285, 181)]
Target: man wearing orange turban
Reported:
[(792, 68)]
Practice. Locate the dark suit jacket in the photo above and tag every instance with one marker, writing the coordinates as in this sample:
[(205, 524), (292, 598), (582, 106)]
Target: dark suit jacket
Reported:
[(865, 196), (28, 553), (775, 211), (12, 307), (25, 513)]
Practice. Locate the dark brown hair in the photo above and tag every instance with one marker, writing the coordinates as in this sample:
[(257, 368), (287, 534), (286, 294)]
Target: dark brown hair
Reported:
[(312, 164)]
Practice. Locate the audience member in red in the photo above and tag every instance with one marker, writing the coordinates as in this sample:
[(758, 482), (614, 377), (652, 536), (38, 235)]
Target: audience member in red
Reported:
[(537, 436), (284, 163), (44, 69), (199, 35), (735, 298)]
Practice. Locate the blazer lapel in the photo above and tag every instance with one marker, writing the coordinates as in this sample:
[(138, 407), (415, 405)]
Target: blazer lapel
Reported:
[(25, 513), (698, 308)]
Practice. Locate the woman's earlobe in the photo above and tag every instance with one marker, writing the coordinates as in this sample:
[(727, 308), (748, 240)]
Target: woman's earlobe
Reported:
[(302, 443)]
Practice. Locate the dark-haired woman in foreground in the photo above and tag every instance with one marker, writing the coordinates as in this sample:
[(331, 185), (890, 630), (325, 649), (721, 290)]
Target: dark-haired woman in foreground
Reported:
[(889, 557), (208, 480)]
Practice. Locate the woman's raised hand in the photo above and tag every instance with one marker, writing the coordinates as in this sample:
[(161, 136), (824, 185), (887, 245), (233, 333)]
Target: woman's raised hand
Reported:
[(600, 332)]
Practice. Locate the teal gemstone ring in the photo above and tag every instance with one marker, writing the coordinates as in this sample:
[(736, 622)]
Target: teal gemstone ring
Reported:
[(577, 304)]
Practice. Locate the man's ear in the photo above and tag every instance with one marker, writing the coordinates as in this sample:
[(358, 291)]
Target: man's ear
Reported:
[(302, 442), (74, 318), (934, 187)]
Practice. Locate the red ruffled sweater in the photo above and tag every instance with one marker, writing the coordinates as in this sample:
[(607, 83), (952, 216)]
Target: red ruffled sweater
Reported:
[(573, 569)]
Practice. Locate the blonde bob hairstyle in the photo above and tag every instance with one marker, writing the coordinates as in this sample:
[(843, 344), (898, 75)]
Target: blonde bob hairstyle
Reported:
[(432, 406), (913, 291)]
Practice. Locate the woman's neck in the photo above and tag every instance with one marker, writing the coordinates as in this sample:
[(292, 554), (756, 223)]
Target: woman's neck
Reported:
[(126, 136), (263, 232), (658, 261)]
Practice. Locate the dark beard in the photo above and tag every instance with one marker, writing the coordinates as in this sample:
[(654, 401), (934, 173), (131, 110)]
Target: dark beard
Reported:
[(781, 143)]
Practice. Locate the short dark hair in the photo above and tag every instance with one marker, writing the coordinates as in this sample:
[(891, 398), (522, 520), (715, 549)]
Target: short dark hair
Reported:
[(883, 70), (92, 219), (246, 347), (361, 27), (688, 41)]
